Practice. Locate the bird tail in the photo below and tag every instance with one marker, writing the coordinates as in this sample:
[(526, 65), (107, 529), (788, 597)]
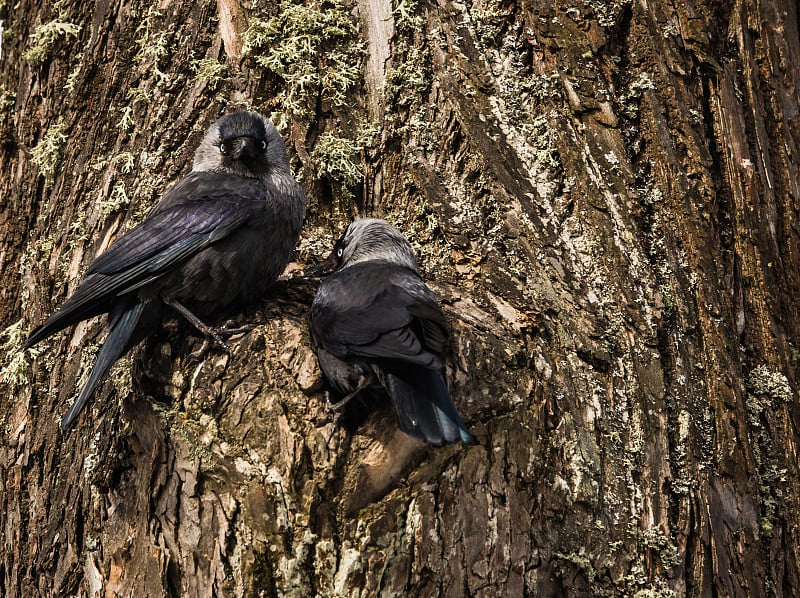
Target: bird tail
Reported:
[(122, 326), (75, 309), (424, 408)]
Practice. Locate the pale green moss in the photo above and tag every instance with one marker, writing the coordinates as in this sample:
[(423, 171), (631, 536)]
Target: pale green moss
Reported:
[(407, 16), (118, 201), (15, 360), (583, 564), (210, 72), (72, 79), (333, 157), (44, 38), (313, 48), (774, 385), (47, 152), (153, 44), (406, 82), (124, 162), (7, 101)]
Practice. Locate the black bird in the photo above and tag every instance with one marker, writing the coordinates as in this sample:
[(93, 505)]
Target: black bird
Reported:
[(218, 238), (374, 323)]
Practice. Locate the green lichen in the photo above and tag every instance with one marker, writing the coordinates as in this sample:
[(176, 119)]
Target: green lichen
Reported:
[(126, 122), (313, 48), (47, 152), (582, 563), (124, 162), (407, 16), (153, 44), (770, 385), (7, 101), (72, 79), (118, 201), (409, 79), (15, 360), (44, 38), (655, 539), (334, 158), (210, 71)]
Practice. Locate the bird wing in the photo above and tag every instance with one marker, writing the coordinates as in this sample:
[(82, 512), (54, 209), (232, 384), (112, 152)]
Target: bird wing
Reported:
[(198, 211), (379, 311)]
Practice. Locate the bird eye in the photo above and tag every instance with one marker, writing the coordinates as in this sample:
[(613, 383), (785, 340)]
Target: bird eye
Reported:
[(222, 149), (340, 252), (263, 144)]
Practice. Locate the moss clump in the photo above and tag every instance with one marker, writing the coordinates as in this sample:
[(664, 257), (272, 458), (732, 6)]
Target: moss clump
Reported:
[(48, 151), (774, 385), (410, 79), (7, 101), (124, 162), (44, 38), (118, 201), (153, 44), (209, 71), (15, 360), (334, 158), (312, 48), (582, 563)]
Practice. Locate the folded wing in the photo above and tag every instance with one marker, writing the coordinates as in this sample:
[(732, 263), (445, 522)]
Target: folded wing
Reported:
[(197, 212)]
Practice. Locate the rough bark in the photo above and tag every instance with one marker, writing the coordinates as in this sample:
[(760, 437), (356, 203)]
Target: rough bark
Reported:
[(605, 197)]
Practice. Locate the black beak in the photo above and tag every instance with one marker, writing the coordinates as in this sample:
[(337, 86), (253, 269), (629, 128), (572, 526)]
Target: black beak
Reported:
[(242, 148), (325, 267)]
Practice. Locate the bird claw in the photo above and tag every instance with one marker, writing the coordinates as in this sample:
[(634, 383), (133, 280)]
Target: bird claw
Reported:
[(201, 353), (232, 327), (337, 425)]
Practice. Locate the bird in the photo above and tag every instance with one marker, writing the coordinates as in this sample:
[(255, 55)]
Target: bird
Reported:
[(216, 240), (376, 326)]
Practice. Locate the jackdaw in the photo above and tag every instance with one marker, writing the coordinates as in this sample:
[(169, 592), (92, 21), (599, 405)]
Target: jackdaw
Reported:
[(217, 239), (375, 324)]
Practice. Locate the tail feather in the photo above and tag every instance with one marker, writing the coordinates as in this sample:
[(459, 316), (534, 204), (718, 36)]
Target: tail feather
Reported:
[(122, 327), (74, 310), (424, 408)]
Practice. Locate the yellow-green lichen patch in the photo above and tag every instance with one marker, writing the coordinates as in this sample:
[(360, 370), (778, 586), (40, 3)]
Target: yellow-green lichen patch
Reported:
[(47, 152), (14, 360), (44, 38), (210, 72), (312, 48)]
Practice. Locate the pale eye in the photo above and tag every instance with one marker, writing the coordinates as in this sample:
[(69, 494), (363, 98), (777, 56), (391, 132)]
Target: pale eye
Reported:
[(339, 252), (222, 149), (263, 144)]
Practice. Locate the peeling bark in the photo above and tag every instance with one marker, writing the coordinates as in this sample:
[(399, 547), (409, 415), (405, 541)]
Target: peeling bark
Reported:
[(604, 196)]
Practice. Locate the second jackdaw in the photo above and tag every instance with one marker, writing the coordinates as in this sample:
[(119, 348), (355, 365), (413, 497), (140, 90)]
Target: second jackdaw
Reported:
[(218, 238), (375, 324)]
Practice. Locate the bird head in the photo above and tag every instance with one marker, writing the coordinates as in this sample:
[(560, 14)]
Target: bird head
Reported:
[(243, 143), (367, 239)]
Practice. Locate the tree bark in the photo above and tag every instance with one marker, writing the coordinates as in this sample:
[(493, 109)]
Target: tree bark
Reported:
[(604, 195)]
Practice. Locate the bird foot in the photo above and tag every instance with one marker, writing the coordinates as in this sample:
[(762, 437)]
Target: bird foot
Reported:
[(337, 425), (340, 404), (232, 327)]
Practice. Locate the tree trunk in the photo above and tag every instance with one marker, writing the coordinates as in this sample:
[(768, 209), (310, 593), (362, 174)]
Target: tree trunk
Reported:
[(604, 196)]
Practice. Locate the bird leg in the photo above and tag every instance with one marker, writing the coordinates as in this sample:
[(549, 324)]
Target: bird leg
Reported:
[(232, 327), (363, 383), (199, 324)]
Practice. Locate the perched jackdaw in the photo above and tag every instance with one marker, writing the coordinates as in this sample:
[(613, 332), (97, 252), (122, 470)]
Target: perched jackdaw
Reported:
[(217, 239), (374, 323)]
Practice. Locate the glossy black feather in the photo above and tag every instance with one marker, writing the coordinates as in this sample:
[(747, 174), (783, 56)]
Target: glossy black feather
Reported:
[(375, 323), (218, 238)]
